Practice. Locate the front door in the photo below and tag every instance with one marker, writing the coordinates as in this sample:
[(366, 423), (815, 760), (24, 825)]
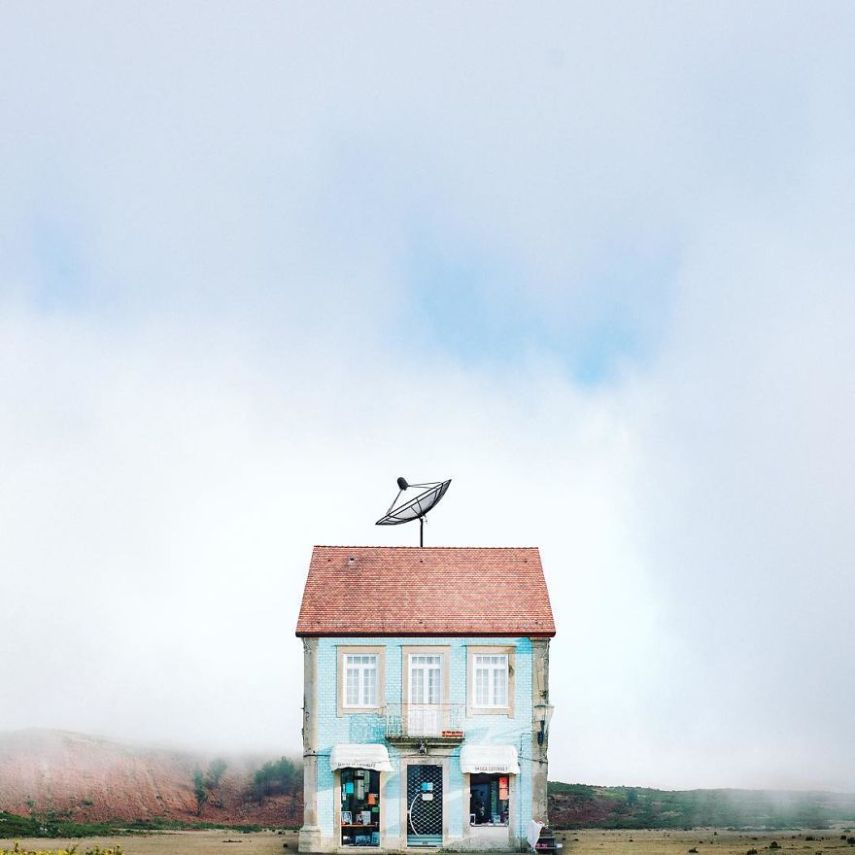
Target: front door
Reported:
[(424, 805), (424, 715)]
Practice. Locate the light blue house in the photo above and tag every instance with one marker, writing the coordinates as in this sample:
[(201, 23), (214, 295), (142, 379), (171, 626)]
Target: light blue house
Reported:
[(426, 697)]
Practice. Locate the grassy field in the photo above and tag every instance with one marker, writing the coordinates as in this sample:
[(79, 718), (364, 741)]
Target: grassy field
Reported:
[(174, 843), (705, 841)]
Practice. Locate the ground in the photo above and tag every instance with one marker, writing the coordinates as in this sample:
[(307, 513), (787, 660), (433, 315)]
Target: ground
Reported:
[(705, 841), (177, 843)]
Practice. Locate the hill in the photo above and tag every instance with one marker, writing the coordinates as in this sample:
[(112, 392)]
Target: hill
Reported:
[(86, 779), (89, 780), (584, 806)]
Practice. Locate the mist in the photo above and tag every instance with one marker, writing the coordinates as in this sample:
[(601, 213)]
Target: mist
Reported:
[(594, 263)]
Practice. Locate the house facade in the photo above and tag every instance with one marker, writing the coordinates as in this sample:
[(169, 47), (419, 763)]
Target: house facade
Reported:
[(426, 698)]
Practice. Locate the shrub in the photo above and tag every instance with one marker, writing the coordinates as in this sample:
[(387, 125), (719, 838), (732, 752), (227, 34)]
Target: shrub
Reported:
[(199, 789), (215, 771), (277, 777)]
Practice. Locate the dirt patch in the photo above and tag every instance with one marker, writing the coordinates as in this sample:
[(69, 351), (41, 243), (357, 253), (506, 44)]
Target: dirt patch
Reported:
[(180, 843)]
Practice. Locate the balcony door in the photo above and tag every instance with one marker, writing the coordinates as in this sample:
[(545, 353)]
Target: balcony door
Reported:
[(424, 708)]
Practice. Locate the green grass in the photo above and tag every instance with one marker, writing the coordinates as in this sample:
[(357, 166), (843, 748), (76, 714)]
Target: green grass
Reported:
[(58, 825)]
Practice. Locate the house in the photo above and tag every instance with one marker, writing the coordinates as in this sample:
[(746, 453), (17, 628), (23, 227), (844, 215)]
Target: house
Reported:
[(426, 697)]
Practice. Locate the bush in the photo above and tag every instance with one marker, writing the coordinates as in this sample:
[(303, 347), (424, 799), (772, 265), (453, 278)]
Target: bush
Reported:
[(215, 771), (278, 777), (200, 790)]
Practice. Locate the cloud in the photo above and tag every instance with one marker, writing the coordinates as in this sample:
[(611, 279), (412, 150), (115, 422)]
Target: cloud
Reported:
[(594, 265)]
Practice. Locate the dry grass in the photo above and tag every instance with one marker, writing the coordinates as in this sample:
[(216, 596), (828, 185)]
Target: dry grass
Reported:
[(575, 843), (706, 841), (179, 843)]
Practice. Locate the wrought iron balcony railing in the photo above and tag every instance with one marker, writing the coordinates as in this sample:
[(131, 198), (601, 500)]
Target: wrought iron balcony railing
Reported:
[(442, 722)]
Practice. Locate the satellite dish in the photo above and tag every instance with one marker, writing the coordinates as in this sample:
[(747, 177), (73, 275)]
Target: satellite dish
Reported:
[(417, 508)]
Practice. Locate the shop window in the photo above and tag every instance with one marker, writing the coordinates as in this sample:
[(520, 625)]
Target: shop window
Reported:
[(489, 797), (360, 807)]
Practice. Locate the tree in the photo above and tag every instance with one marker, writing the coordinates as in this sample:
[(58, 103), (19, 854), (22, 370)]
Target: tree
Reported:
[(278, 777), (200, 790), (215, 771)]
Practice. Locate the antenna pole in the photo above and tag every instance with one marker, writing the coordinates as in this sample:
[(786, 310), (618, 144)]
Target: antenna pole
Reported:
[(421, 531)]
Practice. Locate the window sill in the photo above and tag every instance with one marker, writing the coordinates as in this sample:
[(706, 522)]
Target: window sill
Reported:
[(505, 711)]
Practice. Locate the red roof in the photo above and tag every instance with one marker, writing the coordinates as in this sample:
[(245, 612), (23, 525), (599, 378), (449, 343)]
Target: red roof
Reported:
[(385, 590)]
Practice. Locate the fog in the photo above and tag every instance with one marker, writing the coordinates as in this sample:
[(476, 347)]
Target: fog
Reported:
[(592, 262)]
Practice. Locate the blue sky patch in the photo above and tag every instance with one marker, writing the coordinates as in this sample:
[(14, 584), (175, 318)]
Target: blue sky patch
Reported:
[(475, 308)]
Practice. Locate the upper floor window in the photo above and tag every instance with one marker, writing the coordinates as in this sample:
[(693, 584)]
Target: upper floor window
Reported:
[(491, 680), (425, 690), (360, 688), (360, 679), (425, 679)]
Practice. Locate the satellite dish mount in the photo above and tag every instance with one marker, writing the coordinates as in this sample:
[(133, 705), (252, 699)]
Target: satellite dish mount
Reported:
[(417, 508)]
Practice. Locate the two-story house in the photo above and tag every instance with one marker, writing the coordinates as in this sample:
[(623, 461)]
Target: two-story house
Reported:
[(426, 697)]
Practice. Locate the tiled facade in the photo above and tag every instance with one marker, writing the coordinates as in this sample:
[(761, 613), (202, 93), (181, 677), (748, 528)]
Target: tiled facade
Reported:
[(329, 728), (510, 734)]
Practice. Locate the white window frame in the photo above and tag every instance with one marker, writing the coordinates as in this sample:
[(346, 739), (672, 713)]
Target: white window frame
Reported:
[(492, 669), (365, 684), (508, 654), (431, 715), (346, 664), (425, 668)]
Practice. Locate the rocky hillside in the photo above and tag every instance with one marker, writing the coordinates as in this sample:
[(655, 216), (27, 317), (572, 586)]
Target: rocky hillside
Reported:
[(92, 780)]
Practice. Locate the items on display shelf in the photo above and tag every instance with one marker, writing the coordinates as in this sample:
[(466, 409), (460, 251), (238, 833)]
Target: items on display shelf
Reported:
[(489, 799), (360, 807)]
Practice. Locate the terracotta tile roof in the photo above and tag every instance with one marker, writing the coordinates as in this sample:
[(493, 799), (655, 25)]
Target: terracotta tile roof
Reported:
[(382, 590)]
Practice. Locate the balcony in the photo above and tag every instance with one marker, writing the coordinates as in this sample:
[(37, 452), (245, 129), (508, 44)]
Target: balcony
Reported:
[(430, 724)]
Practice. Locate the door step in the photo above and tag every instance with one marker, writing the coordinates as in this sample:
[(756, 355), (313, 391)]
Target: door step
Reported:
[(424, 840)]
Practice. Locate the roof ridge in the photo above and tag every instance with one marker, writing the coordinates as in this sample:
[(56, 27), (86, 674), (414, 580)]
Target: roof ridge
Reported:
[(370, 546)]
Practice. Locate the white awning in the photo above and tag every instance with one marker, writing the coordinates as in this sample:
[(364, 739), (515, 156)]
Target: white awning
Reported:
[(481, 759), (354, 755)]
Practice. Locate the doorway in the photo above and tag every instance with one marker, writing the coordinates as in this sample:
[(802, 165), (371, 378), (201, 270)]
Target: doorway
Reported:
[(424, 716), (424, 805)]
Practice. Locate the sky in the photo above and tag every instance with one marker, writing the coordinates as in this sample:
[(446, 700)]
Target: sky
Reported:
[(592, 261)]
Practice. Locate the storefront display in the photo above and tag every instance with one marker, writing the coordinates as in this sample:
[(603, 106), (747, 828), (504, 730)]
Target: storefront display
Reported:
[(360, 807), (489, 796)]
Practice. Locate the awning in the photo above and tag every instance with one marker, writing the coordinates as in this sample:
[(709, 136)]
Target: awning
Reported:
[(480, 759), (353, 755)]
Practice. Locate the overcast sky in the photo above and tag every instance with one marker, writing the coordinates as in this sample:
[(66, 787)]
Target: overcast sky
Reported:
[(593, 262)]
